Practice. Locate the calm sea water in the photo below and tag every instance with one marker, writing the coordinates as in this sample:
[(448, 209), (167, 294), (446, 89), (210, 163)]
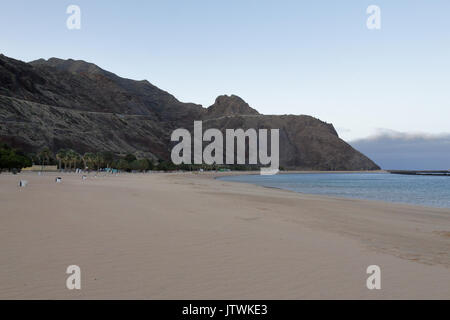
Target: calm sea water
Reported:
[(420, 190)]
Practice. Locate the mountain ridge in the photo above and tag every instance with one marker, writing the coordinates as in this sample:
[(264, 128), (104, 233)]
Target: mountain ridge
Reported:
[(72, 103)]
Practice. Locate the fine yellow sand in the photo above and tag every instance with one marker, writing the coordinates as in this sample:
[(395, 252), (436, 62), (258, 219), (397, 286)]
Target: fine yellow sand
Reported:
[(188, 236)]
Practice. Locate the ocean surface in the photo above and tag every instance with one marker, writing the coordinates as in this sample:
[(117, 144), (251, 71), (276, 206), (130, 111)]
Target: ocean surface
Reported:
[(431, 191)]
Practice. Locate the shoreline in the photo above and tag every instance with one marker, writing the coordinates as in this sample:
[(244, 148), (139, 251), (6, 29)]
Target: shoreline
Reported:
[(179, 236), (333, 196)]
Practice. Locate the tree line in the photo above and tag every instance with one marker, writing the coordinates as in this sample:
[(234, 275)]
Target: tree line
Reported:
[(67, 159), (13, 159)]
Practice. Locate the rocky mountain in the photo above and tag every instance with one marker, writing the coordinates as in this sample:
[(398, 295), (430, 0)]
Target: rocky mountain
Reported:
[(74, 104), (229, 106)]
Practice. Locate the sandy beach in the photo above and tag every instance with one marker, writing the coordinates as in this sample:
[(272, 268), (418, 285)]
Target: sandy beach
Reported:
[(189, 236)]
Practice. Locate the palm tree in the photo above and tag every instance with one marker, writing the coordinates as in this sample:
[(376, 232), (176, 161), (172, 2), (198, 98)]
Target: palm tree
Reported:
[(84, 159), (61, 156), (108, 158), (72, 158), (99, 160), (76, 159), (45, 156), (89, 160), (66, 159)]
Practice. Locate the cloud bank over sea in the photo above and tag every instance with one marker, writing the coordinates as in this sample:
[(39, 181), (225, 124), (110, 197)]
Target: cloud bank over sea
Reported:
[(408, 151)]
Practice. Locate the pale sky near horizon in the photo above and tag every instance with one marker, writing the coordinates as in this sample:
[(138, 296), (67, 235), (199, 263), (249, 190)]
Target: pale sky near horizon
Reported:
[(282, 57)]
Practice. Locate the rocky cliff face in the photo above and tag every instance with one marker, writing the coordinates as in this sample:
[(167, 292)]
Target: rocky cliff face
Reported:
[(75, 104)]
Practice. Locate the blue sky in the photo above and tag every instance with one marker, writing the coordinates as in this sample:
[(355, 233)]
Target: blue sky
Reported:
[(282, 57)]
